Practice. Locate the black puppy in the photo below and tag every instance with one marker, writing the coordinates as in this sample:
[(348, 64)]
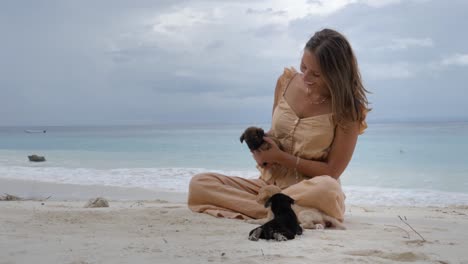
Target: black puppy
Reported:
[(284, 225)]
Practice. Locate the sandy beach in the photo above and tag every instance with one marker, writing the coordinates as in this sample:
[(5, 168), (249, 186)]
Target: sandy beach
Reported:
[(143, 226)]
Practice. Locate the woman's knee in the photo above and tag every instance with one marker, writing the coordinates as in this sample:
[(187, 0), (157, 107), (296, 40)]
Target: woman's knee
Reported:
[(200, 180), (325, 181), (199, 183)]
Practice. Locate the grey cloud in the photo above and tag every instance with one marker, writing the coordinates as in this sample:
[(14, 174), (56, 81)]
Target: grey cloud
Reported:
[(268, 11), (269, 30), (407, 81), (85, 62), (315, 2), (216, 44), (456, 59), (406, 43)]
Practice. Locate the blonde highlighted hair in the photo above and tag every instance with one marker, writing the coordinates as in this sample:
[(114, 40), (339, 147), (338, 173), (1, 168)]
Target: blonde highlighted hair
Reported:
[(341, 72)]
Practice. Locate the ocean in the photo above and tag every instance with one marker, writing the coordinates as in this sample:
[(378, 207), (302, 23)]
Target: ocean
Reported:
[(417, 164)]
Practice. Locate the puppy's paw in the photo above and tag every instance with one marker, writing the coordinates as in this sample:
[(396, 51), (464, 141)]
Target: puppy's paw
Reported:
[(319, 227), (279, 237), (255, 234)]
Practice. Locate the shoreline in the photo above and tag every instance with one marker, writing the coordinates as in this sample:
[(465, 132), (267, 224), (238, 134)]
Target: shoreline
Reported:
[(356, 195), (37, 190)]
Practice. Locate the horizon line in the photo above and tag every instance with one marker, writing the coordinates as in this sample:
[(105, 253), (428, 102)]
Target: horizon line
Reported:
[(181, 123)]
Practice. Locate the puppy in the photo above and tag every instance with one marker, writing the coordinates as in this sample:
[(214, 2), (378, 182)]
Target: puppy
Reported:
[(253, 136), (309, 218), (262, 197), (283, 226)]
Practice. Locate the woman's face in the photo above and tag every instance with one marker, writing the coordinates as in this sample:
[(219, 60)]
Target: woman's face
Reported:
[(312, 74)]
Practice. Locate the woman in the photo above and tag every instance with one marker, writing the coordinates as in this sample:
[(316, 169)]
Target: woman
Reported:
[(317, 117)]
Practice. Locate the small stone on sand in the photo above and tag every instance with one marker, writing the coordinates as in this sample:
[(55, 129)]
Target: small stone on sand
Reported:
[(97, 202)]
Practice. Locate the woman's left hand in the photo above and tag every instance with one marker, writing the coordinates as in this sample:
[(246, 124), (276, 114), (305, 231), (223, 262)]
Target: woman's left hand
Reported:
[(269, 156)]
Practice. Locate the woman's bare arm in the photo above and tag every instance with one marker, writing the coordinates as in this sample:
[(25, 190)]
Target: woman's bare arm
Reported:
[(338, 159)]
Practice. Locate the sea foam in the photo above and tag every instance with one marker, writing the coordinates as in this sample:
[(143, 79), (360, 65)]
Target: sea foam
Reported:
[(177, 179)]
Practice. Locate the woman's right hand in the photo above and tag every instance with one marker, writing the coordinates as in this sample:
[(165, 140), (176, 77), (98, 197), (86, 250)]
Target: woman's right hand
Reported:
[(260, 162), (257, 158)]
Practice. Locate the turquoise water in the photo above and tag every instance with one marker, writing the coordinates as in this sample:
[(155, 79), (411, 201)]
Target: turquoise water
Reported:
[(414, 159), (130, 147), (428, 156)]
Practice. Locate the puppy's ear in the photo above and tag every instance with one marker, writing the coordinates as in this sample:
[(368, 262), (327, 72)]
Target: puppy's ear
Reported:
[(242, 137), (268, 203)]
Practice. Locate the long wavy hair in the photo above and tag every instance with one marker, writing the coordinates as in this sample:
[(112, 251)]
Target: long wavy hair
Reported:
[(341, 72)]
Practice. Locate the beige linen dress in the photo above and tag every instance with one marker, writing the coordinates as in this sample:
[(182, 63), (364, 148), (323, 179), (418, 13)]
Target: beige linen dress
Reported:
[(309, 138)]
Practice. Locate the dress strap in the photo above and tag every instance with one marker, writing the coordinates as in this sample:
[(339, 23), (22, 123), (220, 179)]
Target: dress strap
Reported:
[(287, 85)]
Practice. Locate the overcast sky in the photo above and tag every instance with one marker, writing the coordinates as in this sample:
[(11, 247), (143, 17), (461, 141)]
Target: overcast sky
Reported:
[(145, 62)]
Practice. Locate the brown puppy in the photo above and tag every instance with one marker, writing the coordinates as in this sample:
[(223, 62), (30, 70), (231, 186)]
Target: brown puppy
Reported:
[(309, 218), (253, 136)]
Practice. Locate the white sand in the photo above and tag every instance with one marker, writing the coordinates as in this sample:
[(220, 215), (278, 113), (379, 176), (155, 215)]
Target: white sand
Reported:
[(161, 229)]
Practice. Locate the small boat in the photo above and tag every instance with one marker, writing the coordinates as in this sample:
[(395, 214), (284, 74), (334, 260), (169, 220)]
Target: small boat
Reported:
[(36, 158), (35, 131)]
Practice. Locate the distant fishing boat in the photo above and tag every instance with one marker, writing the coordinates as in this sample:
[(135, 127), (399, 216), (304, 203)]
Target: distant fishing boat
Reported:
[(36, 158), (35, 131)]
